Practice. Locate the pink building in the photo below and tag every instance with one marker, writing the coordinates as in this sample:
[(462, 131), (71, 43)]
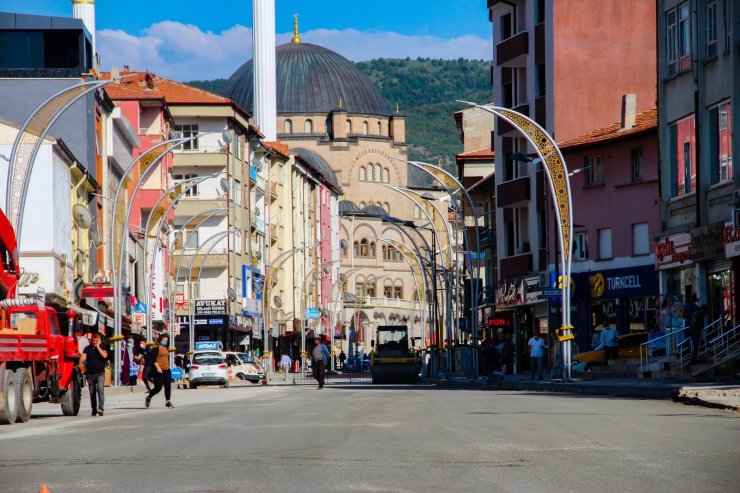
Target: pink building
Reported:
[(616, 215)]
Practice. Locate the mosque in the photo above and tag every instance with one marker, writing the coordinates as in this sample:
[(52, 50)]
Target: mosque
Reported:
[(330, 110)]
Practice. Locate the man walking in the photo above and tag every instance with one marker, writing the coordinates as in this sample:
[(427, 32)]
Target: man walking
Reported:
[(536, 344), (285, 363), (92, 362), (319, 357), (609, 340), (697, 327)]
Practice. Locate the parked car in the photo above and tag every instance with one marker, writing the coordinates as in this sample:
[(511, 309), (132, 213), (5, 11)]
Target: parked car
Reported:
[(208, 368), (629, 348), (243, 367)]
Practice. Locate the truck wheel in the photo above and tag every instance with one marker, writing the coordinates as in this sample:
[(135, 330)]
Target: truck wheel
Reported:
[(7, 409), (193, 385), (23, 395), (72, 397)]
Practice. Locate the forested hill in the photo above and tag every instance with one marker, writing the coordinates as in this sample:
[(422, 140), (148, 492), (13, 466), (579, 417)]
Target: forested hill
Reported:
[(425, 91)]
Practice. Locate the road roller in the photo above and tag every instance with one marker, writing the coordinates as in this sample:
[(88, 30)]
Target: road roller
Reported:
[(392, 360)]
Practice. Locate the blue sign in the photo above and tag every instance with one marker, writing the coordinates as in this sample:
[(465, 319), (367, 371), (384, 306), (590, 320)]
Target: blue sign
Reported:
[(312, 313), (475, 255), (176, 373), (214, 321), (552, 293), (139, 307), (207, 346)]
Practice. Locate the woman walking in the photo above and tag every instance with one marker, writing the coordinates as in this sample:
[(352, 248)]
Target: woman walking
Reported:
[(161, 371)]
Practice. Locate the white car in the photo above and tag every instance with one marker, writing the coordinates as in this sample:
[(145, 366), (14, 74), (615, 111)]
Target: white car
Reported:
[(208, 368), (243, 367)]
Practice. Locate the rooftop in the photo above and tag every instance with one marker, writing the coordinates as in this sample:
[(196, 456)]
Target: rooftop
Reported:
[(644, 122), (145, 85)]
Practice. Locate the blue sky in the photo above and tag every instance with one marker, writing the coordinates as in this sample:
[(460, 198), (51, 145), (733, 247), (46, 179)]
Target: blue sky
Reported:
[(189, 39)]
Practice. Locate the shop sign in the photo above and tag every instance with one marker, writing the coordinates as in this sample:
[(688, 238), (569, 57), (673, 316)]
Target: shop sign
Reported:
[(532, 290), (731, 240), (97, 292), (500, 320), (707, 242), (617, 283), (673, 251), (211, 307), (510, 293)]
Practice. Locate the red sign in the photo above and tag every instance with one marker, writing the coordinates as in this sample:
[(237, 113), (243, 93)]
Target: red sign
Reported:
[(97, 292), (500, 321)]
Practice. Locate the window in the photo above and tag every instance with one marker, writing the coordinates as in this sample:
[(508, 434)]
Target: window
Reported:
[(387, 207), (308, 126), (640, 239), (288, 126), (684, 36), (720, 142), (356, 249), (193, 190), (671, 42), (370, 290), (506, 26), (371, 250), (711, 29), (380, 128), (236, 192), (364, 128), (363, 248), (187, 131), (377, 173), (348, 126), (605, 243), (636, 160), (593, 171), (398, 292), (386, 175), (362, 173), (682, 156), (540, 82), (192, 241), (540, 13), (580, 246), (387, 291), (417, 212)]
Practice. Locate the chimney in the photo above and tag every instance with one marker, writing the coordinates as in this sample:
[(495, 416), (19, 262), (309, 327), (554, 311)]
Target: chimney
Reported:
[(629, 107), (263, 47), (85, 10)]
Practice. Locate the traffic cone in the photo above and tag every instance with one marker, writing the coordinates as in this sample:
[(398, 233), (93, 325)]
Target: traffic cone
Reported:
[(44, 489), (231, 373)]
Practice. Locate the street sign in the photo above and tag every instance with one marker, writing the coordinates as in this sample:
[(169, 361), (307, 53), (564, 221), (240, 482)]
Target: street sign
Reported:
[(312, 313), (552, 293)]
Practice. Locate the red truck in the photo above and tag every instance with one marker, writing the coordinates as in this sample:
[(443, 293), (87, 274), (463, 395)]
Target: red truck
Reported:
[(37, 361)]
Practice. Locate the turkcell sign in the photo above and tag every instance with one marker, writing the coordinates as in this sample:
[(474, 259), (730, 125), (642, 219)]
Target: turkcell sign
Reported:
[(207, 346), (312, 313)]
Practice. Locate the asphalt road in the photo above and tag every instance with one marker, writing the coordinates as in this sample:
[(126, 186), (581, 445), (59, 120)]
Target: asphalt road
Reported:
[(376, 439)]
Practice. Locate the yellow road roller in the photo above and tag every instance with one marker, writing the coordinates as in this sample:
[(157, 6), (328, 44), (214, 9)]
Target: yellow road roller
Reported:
[(392, 360)]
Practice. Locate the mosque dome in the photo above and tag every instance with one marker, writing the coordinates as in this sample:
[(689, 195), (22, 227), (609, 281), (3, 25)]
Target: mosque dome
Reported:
[(311, 79)]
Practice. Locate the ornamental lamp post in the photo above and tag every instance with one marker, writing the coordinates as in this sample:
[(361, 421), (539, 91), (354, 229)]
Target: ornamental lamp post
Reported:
[(304, 325)]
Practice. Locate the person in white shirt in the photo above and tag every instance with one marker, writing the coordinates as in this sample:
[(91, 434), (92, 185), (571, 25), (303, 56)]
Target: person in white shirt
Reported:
[(609, 340), (536, 345), (285, 363)]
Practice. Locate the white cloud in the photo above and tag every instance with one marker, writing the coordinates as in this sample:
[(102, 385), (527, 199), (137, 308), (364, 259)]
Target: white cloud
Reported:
[(185, 52)]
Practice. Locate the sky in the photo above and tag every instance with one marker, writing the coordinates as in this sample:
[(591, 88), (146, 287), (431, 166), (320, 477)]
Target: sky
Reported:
[(192, 39)]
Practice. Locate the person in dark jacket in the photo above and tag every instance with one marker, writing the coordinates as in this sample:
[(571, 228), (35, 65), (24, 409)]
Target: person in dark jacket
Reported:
[(696, 329), (92, 362), (161, 371)]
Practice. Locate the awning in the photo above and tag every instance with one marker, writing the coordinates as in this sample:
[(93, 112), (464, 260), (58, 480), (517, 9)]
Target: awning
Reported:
[(89, 317)]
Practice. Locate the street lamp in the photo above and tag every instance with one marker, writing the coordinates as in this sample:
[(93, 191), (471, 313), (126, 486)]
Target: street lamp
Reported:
[(343, 278), (304, 325)]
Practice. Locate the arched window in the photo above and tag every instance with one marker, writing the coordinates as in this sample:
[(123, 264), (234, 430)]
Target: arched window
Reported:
[(417, 212), (386, 175), (348, 126), (363, 248), (380, 128), (398, 290), (371, 250), (396, 255), (288, 127), (364, 128), (387, 207), (387, 289), (362, 205), (376, 173), (362, 173), (356, 249), (308, 126), (415, 296), (384, 251)]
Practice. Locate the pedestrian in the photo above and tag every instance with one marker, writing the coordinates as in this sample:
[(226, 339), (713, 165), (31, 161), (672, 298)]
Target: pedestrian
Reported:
[(342, 359), (696, 328), (319, 357), (689, 309), (285, 363), (82, 341), (138, 362), (507, 356), (609, 340), (161, 371), (595, 339), (133, 371), (536, 345), (148, 361), (127, 362), (92, 362)]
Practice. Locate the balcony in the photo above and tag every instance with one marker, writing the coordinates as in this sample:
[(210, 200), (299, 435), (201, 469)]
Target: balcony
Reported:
[(487, 237), (273, 233), (512, 52), (516, 266), (191, 206), (273, 189), (218, 259), (513, 192), (202, 158)]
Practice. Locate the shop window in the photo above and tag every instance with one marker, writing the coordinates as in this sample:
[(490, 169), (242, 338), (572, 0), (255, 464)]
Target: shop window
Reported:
[(640, 239)]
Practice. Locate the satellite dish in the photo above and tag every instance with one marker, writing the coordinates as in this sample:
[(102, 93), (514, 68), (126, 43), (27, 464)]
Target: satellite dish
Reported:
[(257, 211), (343, 244), (224, 184), (257, 165), (81, 216), (258, 255), (94, 239), (277, 301), (231, 294), (226, 135)]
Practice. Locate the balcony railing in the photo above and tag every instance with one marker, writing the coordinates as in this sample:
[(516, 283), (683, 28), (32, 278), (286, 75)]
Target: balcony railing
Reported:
[(513, 192), (516, 266), (512, 52)]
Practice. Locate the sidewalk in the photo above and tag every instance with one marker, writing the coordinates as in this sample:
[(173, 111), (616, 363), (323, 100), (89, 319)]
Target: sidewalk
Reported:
[(709, 395)]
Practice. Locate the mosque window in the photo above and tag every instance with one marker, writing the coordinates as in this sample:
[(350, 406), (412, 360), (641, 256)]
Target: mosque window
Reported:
[(380, 128), (348, 126), (362, 205), (308, 126), (288, 126), (363, 248), (364, 128), (415, 296), (387, 207), (356, 249), (376, 173), (417, 212), (371, 250), (398, 291), (386, 175), (387, 291), (362, 173)]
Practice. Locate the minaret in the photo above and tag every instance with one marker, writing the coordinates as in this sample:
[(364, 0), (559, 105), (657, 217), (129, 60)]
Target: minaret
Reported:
[(85, 10), (263, 47)]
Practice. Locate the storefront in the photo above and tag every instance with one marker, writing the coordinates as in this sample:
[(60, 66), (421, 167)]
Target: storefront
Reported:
[(523, 299), (678, 286), (710, 246), (625, 298)]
